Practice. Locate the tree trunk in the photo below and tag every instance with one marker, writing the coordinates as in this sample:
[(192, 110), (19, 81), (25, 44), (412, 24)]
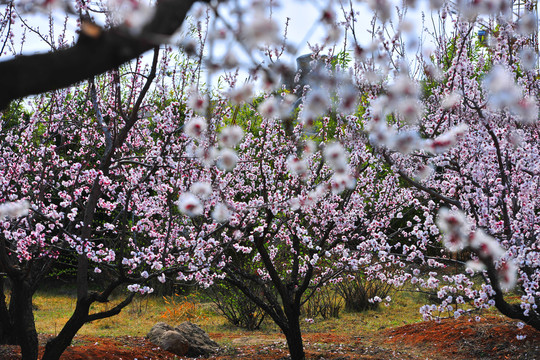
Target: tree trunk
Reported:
[(56, 346), (22, 316), (293, 333), (7, 336)]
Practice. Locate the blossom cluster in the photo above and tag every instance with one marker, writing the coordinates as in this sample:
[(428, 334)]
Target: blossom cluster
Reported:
[(457, 235)]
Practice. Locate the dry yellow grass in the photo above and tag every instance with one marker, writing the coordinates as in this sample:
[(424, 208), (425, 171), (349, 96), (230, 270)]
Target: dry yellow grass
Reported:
[(53, 310)]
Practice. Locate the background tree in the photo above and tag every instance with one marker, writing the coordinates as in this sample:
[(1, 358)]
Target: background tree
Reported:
[(290, 224), (91, 164)]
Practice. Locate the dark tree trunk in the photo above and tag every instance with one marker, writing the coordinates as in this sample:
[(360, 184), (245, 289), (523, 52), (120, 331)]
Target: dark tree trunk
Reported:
[(22, 316), (56, 346), (7, 335), (293, 334)]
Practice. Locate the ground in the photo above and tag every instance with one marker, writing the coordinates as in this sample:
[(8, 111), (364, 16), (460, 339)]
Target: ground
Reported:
[(492, 337)]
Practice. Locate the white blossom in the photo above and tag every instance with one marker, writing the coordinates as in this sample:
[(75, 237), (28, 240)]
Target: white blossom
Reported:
[(161, 278), (507, 273), (202, 189), (527, 24), (206, 156), (405, 142), (261, 30), (502, 88), (451, 101), (486, 245), (134, 287), (423, 172), (317, 102), (342, 181), (269, 108), (14, 209), (221, 213), (297, 166), (528, 58), (190, 205), (231, 136), (475, 265), (335, 155), (444, 142), (240, 94), (526, 110), (227, 159), (197, 102)]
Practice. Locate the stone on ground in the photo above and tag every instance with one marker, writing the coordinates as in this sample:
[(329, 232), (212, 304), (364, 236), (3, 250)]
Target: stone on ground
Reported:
[(187, 339)]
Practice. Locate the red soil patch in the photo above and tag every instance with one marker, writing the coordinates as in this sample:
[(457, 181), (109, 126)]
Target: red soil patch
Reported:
[(491, 338), (90, 348)]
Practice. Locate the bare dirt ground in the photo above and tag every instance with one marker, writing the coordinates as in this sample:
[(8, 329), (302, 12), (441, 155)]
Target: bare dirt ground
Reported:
[(464, 338)]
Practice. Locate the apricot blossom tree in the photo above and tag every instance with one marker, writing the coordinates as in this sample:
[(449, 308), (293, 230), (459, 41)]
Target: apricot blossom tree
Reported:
[(468, 143)]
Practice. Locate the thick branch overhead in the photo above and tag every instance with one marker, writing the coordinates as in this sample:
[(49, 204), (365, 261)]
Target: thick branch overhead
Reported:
[(91, 55)]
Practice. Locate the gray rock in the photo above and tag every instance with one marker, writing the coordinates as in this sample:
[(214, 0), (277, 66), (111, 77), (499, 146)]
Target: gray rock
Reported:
[(199, 341), (187, 339), (174, 342)]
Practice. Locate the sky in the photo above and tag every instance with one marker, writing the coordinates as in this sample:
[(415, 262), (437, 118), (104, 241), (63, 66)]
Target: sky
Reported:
[(302, 14), (304, 26)]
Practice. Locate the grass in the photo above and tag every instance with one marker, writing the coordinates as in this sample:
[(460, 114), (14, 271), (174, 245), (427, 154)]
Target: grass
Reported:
[(53, 309)]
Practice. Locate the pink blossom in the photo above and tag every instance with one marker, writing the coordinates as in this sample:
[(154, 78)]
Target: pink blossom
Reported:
[(195, 127), (231, 136), (455, 228)]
